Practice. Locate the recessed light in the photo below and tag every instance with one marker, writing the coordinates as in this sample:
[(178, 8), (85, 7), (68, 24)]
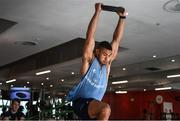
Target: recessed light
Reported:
[(172, 6), (154, 56), (51, 85), (42, 84), (62, 80), (27, 82), (120, 82), (47, 78), (49, 96), (72, 73), (144, 89), (12, 85), (173, 60), (0, 83), (124, 69), (43, 72)]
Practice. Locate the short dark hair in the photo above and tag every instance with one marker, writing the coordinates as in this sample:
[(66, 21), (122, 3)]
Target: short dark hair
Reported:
[(15, 100), (104, 44)]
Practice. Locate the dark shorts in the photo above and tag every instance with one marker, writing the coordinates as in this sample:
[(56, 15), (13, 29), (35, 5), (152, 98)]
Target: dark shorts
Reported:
[(80, 107)]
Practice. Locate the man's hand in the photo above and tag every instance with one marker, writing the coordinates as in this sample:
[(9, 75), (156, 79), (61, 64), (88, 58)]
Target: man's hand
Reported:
[(98, 7), (124, 14)]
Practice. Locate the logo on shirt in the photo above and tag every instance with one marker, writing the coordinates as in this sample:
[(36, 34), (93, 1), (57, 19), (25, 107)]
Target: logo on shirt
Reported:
[(94, 83)]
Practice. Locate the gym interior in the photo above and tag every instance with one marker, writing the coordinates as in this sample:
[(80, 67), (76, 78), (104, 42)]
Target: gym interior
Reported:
[(41, 43)]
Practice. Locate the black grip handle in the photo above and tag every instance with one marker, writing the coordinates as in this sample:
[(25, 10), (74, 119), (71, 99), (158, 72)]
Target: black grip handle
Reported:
[(112, 8)]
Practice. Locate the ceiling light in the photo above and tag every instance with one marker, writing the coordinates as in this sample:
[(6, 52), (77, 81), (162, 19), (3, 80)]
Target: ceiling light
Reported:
[(43, 72), (144, 89), (124, 69), (47, 78), (121, 92), (173, 76), (120, 82), (0, 83), (42, 84), (9, 81), (62, 80), (154, 56), (72, 73), (27, 82), (12, 85), (172, 6), (51, 85), (163, 88), (173, 60), (49, 96)]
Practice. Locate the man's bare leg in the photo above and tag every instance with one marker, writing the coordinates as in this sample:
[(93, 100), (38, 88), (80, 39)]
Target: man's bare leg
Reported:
[(99, 110)]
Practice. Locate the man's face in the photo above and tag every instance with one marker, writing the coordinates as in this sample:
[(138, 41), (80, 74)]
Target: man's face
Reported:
[(104, 55), (15, 106)]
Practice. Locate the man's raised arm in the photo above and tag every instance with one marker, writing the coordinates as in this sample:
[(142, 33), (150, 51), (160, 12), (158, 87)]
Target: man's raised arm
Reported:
[(118, 34), (90, 40)]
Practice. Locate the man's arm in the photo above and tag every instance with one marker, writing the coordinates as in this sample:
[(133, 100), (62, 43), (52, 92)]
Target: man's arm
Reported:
[(118, 34), (90, 41)]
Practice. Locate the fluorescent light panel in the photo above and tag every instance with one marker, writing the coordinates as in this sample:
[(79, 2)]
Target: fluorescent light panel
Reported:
[(163, 88), (43, 72), (12, 80), (120, 82), (121, 92), (173, 76)]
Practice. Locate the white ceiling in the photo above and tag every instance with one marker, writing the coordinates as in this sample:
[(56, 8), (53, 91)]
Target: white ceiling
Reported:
[(149, 30)]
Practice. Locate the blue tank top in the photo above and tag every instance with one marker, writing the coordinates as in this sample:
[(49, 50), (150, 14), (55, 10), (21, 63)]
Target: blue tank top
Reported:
[(92, 85)]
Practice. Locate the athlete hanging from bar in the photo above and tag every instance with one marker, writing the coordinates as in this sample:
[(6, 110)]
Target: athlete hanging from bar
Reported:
[(88, 93)]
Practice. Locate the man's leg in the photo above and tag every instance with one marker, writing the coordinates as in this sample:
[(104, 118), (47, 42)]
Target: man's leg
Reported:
[(99, 110)]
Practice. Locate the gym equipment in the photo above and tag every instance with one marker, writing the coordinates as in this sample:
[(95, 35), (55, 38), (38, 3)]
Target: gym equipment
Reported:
[(112, 8)]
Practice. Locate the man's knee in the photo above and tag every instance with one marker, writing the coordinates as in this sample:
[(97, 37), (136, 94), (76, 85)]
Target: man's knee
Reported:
[(106, 109)]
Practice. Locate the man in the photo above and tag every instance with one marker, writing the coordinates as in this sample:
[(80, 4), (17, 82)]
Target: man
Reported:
[(87, 95), (13, 113)]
